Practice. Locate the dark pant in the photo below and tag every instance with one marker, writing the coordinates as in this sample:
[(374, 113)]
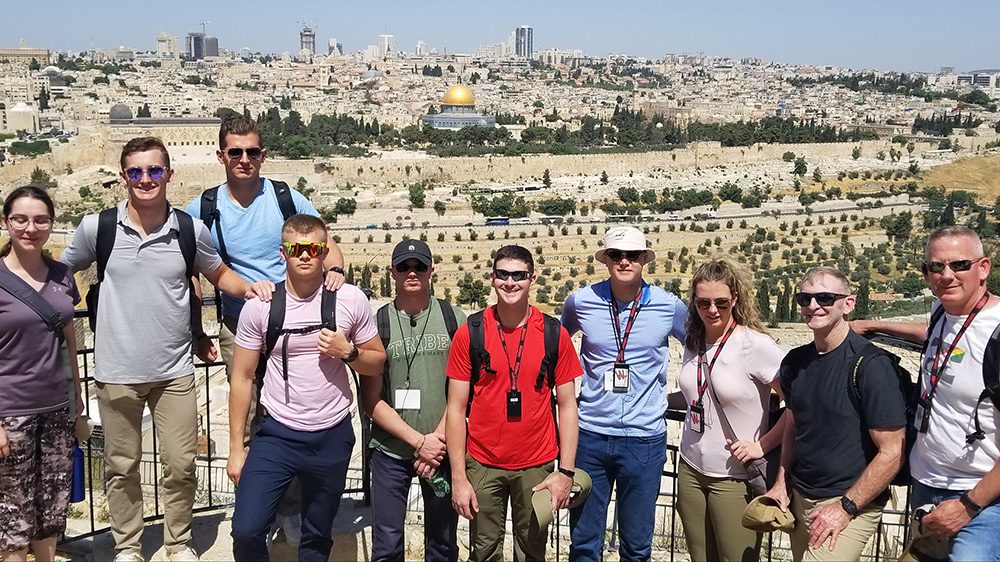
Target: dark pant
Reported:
[(391, 480), (320, 460), (632, 465)]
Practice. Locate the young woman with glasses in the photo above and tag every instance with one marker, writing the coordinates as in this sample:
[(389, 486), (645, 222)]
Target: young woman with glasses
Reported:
[(730, 367), (36, 416)]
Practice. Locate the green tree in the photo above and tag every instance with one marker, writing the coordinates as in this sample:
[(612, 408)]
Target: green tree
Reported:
[(440, 208), (42, 179), (731, 192), (298, 147), (417, 196), (345, 206), (34, 65), (800, 167), (546, 178), (604, 177), (863, 306), (144, 111), (628, 194), (764, 300), (43, 99), (856, 153), (472, 291), (817, 175)]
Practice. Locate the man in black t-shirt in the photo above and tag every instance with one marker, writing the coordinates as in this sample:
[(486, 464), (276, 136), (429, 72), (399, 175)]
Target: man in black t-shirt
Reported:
[(839, 453)]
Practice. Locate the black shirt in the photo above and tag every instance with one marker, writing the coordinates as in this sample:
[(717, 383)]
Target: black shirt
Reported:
[(832, 443)]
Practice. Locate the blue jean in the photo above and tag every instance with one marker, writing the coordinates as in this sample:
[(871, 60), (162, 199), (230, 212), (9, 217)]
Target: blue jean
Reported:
[(391, 479), (633, 466), (277, 454), (978, 541)]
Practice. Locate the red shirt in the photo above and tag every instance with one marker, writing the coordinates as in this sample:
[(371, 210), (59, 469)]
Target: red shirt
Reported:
[(492, 439)]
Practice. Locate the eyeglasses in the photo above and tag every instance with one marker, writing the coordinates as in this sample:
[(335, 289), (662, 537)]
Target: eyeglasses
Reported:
[(295, 249), (253, 152), (408, 266), (720, 303), (956, 266), (630, 255), (135, 173), (822, 299), (517, 276), (21, 222)]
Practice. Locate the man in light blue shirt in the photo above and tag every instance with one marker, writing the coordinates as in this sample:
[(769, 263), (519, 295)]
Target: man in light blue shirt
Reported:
[(626, 324)]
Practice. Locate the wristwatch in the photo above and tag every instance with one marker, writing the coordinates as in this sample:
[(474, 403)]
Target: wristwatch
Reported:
[(849, 506), (352, 355), (970, 504), (568, 472)]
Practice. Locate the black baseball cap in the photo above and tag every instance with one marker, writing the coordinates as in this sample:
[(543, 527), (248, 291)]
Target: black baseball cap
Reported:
[(411, 249)]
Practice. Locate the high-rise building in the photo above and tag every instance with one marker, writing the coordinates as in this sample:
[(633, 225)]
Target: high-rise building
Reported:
[(524, 41), (211, 46), (307, 40), (167, 46), (387, 46), (421, 49), (335, 48), (195, 45)]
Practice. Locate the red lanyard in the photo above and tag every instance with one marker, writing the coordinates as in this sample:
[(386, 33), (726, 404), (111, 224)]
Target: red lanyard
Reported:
[(938, 367), (514, 370), (621, 338), (703, 386)]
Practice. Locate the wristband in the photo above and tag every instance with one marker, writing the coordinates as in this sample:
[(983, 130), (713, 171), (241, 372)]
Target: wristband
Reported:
[(568, 472), (970, 504), (337, 269), (416, 451)]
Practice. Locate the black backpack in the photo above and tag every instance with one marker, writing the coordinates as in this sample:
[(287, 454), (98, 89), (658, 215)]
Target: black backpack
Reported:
[(107, 230), (384, 330), (276, 326), (911, 392), (478, 356), (210, 216), (991, 373)]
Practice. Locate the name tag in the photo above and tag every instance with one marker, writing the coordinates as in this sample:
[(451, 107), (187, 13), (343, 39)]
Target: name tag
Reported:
[(696, 418), (407, 399)]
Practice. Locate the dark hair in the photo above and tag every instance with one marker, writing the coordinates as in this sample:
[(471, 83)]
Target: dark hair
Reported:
[(31, 192), (238, 125), (515, 252), (144, 144), (303, 224)]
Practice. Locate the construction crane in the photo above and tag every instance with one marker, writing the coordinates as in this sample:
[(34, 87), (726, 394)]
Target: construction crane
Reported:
[(203, 24)]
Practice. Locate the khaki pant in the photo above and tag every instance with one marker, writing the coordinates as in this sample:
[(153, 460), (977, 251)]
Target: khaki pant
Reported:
[(493, 486), (711, 510), (175, 413), (852, 539)]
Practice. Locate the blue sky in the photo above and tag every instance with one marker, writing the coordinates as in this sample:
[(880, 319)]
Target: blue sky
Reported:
[(914, 35)]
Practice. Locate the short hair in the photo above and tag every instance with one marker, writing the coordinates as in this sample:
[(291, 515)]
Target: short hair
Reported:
[(956, 232), (515, 252), (238, 125), (820, 271), (144, 144), (303, 224)]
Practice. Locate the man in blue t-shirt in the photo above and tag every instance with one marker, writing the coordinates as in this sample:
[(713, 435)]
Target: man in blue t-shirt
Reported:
[(626, 325)]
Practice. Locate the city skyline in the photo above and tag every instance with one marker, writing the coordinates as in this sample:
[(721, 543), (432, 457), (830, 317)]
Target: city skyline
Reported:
[(890, 35)]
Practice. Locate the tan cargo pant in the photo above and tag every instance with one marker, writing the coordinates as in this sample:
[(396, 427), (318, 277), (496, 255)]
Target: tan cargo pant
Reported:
[(850, 543)]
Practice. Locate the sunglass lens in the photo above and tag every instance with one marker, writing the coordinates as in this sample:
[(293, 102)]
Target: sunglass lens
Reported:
[(155, 172), (960, 265)]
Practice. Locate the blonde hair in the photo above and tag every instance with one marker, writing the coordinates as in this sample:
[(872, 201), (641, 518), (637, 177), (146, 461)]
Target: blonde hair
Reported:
[(741, 284)]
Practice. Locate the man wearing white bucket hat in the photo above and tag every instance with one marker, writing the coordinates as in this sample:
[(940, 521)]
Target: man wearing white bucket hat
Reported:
[(626, 324)]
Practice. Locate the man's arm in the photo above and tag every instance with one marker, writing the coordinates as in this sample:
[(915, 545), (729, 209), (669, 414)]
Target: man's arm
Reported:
[(235, 286), (915, 332), (950, 516), (240, 390), (463, 496), (830, 519), (559, 484), (430, 448), (334, 258), (204, 348)]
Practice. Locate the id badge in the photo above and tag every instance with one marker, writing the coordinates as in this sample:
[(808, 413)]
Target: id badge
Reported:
[(696, 418), (513, 404), (922, 415), (620, 380), (407, 399)]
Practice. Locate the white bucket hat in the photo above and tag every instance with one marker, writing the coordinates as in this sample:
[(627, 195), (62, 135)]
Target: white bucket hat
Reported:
[(625, 238)]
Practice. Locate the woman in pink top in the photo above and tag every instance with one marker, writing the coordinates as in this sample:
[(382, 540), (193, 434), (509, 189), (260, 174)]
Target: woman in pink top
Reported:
[(729, 365)]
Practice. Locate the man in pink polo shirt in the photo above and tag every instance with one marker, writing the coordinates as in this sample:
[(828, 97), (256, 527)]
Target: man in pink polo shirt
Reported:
[(306, 430)]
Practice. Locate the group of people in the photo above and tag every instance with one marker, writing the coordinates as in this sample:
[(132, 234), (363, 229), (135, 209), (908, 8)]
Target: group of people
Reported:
[(486, 410)]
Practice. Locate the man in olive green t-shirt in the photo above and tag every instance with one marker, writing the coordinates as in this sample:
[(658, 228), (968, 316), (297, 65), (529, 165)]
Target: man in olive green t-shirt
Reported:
[(407, 409)]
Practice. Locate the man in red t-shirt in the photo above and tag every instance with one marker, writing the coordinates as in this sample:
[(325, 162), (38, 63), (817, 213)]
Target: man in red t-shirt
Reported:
[(511, 434)]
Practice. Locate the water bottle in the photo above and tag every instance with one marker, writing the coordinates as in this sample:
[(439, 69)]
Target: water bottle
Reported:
[(78, 488), (439, 483)]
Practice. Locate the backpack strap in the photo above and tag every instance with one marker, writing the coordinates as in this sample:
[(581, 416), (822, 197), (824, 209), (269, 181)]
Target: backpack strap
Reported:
[(23, 292), (328, 309), (547, 370), (384, 332), (991, 383), (477, 353), (107, 229), (210, 216), (935, 316), (450, 321), (285, 202), (186, 239), (275, 318)]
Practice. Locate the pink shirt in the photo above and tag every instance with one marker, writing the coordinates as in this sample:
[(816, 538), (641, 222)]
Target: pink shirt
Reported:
[(317, 394), (741, 377)]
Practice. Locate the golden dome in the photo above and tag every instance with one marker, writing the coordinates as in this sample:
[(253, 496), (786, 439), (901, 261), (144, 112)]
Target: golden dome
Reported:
[(459, 95)]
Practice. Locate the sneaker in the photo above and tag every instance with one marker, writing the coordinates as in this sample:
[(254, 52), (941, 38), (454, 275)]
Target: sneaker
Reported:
[(183, 554), (129, 556)]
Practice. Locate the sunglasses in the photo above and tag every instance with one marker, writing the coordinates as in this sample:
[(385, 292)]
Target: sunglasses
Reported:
[(630, 255), (21, 222), (295, 249), (956, 266), (135, 173), (822, 299), (253, 152), (517, 276), (720, 303), (417, 266)]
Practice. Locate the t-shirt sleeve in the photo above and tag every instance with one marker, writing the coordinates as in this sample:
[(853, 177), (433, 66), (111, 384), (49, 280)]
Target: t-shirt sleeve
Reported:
[(207, 257), (882, 402), (363, 328), (302, 205), (785, 376), (568, 367), (763, 357), (71, 289), (252, 327), (194, 208), (459, 364), (569, 319), (82, 250), (678, 327)]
